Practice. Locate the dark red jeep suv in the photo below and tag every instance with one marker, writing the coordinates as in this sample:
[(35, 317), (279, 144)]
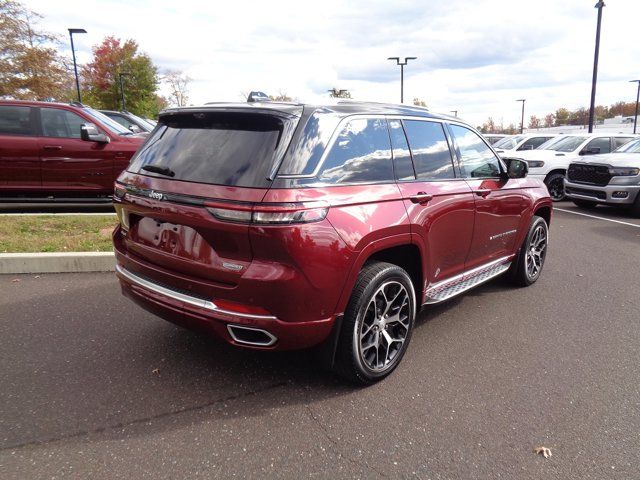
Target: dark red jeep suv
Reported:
[(60, 150), (284, 226)]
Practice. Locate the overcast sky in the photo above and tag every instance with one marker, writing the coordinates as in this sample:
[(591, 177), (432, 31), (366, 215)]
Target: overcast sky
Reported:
[(476, 57)]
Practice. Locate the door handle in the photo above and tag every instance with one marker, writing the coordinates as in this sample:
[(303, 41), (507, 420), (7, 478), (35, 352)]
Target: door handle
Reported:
[(421, 198), (483, 192), (52, 147)]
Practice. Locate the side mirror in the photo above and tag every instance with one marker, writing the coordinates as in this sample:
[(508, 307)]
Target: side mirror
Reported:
[(135, 128), (590, 151), (516, 168), (90, 133)]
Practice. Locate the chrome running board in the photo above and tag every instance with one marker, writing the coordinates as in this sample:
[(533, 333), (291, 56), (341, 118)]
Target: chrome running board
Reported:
[(441, 291)]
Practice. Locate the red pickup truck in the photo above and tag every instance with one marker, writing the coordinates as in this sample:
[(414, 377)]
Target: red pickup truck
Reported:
[(60, 151)]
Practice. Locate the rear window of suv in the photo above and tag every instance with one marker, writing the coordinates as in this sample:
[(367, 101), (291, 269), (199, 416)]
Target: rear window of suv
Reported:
[(221, 148)]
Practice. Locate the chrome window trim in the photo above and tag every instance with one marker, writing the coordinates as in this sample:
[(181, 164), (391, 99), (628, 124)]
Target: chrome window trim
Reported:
[(198, 302), (340, 127)]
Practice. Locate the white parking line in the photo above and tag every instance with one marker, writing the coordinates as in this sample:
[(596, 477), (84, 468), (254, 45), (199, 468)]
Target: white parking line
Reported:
[(599, 218)]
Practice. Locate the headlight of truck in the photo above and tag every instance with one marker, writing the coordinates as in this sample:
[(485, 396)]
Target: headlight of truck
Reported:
[(623, 171), (535, 163)]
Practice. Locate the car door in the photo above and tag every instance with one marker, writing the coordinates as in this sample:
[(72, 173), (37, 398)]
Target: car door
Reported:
[(19, 154), (499, 201), (439, 204), (68, 162)]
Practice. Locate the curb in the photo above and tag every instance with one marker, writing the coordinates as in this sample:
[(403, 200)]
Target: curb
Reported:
[(57, 262)]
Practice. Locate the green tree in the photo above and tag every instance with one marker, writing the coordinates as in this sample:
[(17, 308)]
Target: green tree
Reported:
[(102, 82), (30, 66), (562, 116)]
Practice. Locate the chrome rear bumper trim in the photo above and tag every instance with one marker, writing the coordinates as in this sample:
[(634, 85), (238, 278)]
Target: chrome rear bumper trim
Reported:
[(198, 302)]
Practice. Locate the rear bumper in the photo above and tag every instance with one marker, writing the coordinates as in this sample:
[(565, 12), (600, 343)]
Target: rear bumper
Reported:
[(604, 194), (203, 315)]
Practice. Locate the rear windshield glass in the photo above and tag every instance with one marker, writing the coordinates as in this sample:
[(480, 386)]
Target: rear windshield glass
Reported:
[(221, 148)]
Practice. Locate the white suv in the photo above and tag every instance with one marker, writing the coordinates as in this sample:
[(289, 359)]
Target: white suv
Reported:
[(525, 141), (550, 161)]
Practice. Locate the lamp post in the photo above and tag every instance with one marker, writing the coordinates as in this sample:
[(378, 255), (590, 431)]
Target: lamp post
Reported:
[(522, 117), (120, 75), (73, 53), (635, 118), (592, 107), (402, 64)]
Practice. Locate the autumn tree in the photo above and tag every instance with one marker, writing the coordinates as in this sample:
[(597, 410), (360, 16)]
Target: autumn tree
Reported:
[(101, 77), (549, 120), (534, 122), (281, 97), (339, 93), (419, 102), (30, 66), (178, 84)]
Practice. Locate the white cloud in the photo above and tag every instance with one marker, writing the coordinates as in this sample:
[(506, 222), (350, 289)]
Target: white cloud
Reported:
[(476, 57)]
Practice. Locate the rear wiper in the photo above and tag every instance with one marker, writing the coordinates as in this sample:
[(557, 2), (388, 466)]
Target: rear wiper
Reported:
[(161, 170)]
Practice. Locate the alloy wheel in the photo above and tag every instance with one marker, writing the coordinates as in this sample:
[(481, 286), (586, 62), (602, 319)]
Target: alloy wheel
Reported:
[(536, 251), (384, 327)]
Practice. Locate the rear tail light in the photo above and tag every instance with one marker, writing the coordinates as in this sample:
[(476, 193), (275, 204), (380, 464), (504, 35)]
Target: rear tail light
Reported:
[(270, 214)]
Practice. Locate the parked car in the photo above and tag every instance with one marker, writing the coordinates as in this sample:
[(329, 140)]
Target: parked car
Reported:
[(550, 161), (526, 141), (285, 226), (612, 179), (60, 150), (130, 121), (493, 138)]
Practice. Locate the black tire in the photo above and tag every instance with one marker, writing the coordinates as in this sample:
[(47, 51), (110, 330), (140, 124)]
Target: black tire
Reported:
[(520, 273), (365, 322), (586, 204), (635, 207), (555, 185)]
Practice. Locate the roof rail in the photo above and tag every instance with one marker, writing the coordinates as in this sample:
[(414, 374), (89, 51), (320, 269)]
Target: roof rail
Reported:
[(76, 104)]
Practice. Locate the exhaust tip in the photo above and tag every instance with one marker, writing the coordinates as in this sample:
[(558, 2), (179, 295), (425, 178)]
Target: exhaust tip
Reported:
[(251, 336)]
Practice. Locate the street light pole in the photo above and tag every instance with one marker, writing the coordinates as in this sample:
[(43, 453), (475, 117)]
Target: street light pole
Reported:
[(635, 118), (73, 53), (120, 75), (402, 64), (522, 118), (592, 108)]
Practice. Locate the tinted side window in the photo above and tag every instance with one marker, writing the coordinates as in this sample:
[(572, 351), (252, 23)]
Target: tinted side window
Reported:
[(60, 123), (120, 119), (533, 143), (360, 154), (430, 150), (15, 120), (401, 155), (603, 144), (619, 141), (476, 159)]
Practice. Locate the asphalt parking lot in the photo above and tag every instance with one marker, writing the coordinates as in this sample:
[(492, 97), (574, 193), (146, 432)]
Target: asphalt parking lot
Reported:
[(94, 387)]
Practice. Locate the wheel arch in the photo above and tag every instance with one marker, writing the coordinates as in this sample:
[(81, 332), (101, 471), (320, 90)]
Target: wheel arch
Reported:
[(398, 250)]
